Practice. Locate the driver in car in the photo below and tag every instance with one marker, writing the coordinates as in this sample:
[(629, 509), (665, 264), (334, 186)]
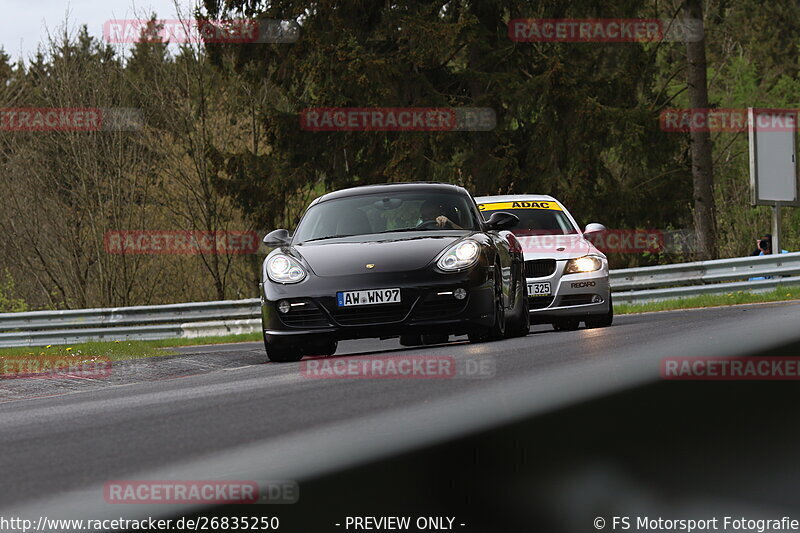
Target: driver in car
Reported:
[(433, 213)]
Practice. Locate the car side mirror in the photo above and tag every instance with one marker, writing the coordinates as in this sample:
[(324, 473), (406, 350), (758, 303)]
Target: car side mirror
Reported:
[(594, 227), (279, 237), (500, 220)]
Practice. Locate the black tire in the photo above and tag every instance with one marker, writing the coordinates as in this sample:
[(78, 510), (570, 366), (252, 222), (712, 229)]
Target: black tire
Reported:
[(520, 325), (331, 347), (435, 338), (477, 336), (602, 321), (283, 351), (497, 330), (566, 324), (525, 325), (411, 339), (326, 348)]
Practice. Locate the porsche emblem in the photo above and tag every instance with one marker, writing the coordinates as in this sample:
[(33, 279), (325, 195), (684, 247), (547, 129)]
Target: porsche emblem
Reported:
[(370, 265)]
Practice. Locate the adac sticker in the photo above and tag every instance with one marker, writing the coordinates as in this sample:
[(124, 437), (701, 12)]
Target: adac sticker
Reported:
[(498, 206)]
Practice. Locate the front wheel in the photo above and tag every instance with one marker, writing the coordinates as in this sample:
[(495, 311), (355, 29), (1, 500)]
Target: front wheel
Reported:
[(520, 325), (281, 351), (291, 350), (435, 338), (566, 324), (497, 330), (326, 348), (602, 321), (411, 339)]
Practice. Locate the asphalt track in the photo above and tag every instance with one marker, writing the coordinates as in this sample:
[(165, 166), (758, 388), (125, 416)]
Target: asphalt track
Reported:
[(145, 420)]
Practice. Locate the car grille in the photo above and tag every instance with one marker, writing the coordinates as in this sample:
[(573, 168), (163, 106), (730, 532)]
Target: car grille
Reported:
[(539, 302), (539, 268), (436, 306), (368, 315), (576, 299), (308, 315)]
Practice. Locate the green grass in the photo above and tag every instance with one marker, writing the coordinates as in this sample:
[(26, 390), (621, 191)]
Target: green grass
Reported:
[(711, 300), (115, 350)]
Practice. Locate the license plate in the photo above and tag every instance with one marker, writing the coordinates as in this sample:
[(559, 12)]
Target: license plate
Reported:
[(538, 289), (370, 297)]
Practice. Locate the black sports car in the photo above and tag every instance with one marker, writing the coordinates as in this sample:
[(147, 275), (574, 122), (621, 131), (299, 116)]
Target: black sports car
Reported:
[(414, 260)]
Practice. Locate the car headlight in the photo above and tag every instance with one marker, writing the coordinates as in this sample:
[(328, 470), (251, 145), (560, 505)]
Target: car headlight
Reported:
[(587, 263), (460, 256), (283, 269)]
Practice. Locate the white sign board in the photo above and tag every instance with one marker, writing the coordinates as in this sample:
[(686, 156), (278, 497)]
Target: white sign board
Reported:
[(773, 169)]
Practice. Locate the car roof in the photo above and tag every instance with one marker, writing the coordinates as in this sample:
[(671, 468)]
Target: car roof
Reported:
[(514, 198), (388, 188)]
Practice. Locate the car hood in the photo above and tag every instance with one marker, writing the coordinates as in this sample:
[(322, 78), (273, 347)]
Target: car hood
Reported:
[(555, 246), (343, 258)]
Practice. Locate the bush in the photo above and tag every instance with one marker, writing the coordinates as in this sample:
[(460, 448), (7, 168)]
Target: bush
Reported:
[(8, 304)]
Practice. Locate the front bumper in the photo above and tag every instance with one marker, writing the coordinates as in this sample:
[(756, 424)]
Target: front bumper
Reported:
[(427, 305), (572, 295)]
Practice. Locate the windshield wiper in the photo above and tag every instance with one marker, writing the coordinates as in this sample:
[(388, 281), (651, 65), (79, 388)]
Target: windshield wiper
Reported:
[(326, 238), (423, 230), (399, 230)]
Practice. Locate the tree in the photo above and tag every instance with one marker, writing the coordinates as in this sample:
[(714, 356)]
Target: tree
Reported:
[(572, 121), (702, 166)]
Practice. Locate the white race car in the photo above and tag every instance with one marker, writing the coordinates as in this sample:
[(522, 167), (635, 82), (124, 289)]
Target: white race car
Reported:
[(567, 277)]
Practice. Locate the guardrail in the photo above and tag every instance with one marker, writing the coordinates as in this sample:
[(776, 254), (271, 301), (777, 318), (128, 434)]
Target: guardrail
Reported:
[(192, 320), (149, 322), (681, 280)]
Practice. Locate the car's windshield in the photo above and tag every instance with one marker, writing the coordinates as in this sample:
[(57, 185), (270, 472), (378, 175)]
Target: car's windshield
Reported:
[(369, 214), (535, 218)]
